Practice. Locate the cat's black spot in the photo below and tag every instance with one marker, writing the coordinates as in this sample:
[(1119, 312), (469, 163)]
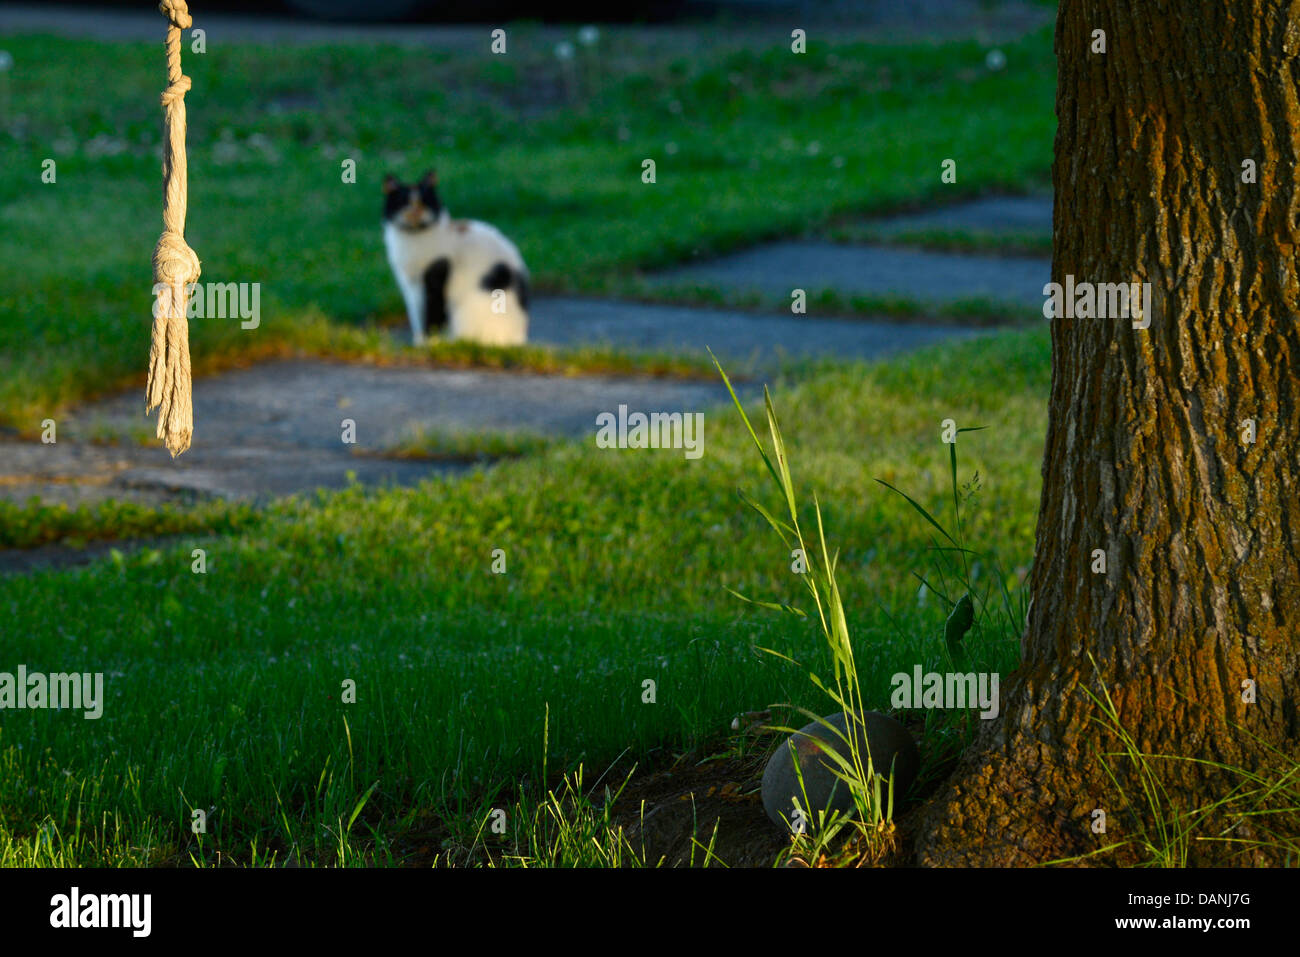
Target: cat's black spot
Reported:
[(498, 277), (435, 294), (502, 276), (521, 287)]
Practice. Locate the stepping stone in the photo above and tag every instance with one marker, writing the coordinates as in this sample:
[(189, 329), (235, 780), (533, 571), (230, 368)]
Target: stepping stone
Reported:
[(733, 336), (927, 277)]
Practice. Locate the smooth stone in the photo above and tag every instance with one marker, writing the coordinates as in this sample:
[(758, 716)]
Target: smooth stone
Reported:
[(887, 740)]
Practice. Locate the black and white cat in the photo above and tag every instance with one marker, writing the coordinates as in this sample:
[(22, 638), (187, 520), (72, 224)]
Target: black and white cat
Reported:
[(460, 275)]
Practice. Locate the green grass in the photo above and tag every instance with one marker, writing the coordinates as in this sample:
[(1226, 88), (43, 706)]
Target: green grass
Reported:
[(749, 145), (430, 444), (37, 523), (223, 690), (474, 689), (869, 823)]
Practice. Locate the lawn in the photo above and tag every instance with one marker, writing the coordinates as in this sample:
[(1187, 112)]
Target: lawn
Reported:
[(747, 144), (224, 689)]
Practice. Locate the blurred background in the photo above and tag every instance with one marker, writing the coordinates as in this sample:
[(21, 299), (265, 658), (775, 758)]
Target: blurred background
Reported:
[(120, 16)]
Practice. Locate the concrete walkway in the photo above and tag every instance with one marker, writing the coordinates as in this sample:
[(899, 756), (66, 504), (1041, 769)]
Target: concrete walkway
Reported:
[(891, 271), (759, 340), (277, 428)]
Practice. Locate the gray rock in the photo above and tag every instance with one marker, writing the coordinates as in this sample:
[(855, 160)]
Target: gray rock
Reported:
[(887, 740)]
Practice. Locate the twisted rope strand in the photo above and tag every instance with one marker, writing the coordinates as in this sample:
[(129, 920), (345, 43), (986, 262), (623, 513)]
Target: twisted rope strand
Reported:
[(174, 264)]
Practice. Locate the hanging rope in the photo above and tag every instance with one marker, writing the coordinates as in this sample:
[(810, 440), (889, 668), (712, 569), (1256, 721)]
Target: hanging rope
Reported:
[(174, 264)]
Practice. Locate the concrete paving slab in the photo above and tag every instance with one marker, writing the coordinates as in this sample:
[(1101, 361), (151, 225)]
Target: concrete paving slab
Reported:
[(933, 277), (994, 215), (277, 428)]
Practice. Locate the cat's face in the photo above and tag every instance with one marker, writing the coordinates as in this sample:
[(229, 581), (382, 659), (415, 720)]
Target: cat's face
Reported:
[(411, 207)]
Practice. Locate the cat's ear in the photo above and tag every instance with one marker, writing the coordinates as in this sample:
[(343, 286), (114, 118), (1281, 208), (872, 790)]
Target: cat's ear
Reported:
[(430, 178), (390, 183)]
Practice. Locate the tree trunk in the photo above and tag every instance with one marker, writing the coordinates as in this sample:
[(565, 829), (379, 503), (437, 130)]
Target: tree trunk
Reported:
[(1149, 454)]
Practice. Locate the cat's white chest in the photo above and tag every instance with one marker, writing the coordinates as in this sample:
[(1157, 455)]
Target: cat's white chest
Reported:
[(410, 253)]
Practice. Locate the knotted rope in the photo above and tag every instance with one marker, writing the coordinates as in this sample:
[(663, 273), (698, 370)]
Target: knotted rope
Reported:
[(175, 266)]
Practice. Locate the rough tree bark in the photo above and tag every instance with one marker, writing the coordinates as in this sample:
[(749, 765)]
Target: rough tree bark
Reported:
[(1148, 453)]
